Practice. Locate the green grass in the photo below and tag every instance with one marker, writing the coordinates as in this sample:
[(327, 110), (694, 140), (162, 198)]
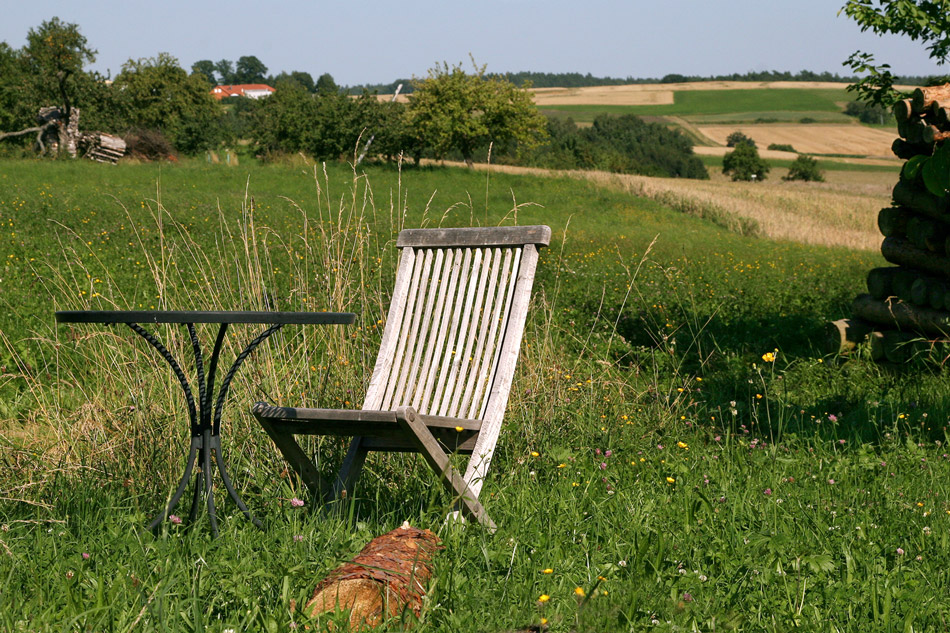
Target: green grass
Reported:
[(740, 491), (729, 106)]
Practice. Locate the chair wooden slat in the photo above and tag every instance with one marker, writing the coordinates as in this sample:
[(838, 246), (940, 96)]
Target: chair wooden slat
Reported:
[(446, 361), (486, 356), (387, 347), (448, 279), (420, 313), (507, 358), (456, 330), (476, 315)]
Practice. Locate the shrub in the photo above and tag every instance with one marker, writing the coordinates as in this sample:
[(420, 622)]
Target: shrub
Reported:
[(737, 138), (780, 147), (148, 145), (744, 163), (807, 119), (804, 168)]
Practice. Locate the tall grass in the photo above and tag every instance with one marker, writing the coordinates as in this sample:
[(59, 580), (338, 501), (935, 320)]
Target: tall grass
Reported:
[(661, 467)]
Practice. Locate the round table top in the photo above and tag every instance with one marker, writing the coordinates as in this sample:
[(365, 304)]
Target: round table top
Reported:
[(197, 316)]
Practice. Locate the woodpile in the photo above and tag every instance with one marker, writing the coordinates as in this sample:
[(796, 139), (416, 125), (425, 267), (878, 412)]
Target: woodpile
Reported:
[(907, 309), (101, 147), (386, 579)]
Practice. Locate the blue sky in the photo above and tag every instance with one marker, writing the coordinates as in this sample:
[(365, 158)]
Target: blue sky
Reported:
[(371, 41)]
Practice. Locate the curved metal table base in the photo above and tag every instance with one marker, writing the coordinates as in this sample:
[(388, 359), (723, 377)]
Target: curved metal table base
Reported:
[(205, 424)]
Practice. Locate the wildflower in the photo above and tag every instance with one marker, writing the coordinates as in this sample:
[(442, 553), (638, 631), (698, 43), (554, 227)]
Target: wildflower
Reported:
[(459, 429), (547, 571), (174, 519), (296, 503), (687, 597), (603, 465), (622, 563), (718, 438), (578, 591), (69, 574), (562, 465), (85, 555), (832, 417), (596, 451), (298, 538), (544, 597), (841, 441), (831, 482), (544, 621), (768, 357), (900, 551), (682, 444), (535, 454), (768, 491), (608, 453), (659, 447), (670, 480)]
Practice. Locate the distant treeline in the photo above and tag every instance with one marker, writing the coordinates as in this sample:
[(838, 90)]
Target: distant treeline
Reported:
[(578, 80)]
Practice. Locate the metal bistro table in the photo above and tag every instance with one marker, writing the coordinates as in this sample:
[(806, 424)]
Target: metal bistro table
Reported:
[(205, 419)]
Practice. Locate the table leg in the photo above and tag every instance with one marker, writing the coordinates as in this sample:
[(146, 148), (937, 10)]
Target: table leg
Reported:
[(185, 478)]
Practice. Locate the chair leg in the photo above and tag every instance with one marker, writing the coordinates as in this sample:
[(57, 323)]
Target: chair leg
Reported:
[(350, 470), (425, 442), (297, 459)]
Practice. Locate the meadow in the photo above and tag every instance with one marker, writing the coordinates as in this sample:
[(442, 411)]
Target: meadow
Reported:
[(681, 450)]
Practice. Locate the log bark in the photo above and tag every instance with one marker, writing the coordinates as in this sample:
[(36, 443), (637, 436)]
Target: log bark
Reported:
[(897, 314), (892, 221), (932, 134), (844, 335), (922, 201), (912, 130), (883, 281), (926, 233), (898, 250), (387, 577), (922, 98), (904, 150), (940, 112), (903, 109)]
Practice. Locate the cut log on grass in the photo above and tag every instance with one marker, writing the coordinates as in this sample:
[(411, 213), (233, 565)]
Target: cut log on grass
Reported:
[(844, 335), (894, 313), (923, 98), (900, 251), (388, 577)]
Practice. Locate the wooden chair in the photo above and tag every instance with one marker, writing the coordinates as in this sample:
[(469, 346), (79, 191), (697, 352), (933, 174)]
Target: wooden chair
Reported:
[(445, 363)]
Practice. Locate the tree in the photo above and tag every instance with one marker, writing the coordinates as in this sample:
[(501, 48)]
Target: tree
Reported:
[(301, 78), (927, 21), (452, 110), (157, 94), (804, 168), (744, 163), (55, 51), (205, 68), (738, 137), (249, 70), (225, 70), (325, 85)]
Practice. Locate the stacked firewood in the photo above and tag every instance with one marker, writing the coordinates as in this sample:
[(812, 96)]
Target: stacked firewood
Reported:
[(101, 147), (907, 308)]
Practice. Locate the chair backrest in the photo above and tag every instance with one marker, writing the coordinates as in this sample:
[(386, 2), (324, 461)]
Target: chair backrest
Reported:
[(455, 323)]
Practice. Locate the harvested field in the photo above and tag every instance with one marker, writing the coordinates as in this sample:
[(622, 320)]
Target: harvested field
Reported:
[(840, 212), (811, 138)]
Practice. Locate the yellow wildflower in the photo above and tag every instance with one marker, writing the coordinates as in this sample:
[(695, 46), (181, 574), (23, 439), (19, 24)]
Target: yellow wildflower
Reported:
[(579, 591), (544, 597), (768, 357), (547, 571), (670, 480)]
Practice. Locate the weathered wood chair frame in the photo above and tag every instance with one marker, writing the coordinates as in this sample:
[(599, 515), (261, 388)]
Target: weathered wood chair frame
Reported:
[(445, 363)]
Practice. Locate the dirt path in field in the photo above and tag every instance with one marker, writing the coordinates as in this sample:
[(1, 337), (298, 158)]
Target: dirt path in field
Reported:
[(840, 212)]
